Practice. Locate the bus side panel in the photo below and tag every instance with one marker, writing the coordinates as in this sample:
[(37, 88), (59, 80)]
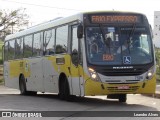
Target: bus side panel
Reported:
[(34, 81), (12, 71), (52, 68), (60, 66), (51, 74)]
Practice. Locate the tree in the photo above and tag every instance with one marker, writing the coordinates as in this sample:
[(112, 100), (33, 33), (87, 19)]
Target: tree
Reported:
[(12, 20)]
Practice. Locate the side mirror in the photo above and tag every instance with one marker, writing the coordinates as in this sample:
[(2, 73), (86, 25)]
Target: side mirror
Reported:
[(80, 31)]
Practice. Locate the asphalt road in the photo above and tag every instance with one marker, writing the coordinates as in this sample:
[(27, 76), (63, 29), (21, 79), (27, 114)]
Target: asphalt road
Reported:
[(10, 100)]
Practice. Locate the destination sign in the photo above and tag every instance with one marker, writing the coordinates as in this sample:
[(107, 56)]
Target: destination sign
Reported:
[(115, 19)]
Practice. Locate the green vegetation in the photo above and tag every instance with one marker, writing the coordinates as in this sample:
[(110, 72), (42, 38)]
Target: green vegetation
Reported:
[(157, 50), (1, 74), (1, 67), (12, 20), (1, 44)]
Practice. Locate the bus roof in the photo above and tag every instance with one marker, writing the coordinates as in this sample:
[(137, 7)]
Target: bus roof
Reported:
[(57, 22), (45, 25), (111, 11)]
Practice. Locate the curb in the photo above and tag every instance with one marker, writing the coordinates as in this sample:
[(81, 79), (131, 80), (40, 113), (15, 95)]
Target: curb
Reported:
[(155, 95)]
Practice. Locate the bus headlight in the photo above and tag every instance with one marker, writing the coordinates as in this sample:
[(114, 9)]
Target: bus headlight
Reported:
[(93, 74), (150, 73)]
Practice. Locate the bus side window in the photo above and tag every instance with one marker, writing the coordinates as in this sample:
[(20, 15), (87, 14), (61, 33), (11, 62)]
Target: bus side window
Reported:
[(37, 47), (11, 50), (49, 40), (19, 48), (28, 46), (74, 46), (61, 39)]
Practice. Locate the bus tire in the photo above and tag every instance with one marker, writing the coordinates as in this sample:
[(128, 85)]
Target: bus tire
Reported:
[(122, 98), (64, 92), (22, 86)]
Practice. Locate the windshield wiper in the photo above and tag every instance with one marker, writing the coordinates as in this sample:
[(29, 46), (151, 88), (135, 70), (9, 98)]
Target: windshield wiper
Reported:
[(106, 42), (130, 36)]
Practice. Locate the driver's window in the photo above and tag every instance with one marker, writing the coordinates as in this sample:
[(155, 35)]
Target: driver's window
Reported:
[(144, 42), (74, 46)]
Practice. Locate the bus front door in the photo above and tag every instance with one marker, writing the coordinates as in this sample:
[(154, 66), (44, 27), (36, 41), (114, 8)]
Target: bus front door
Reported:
[(76, 68)]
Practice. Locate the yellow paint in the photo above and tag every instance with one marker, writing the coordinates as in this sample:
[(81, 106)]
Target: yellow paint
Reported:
[(94, 88), (61, 68), (90, 87), (17, 67)]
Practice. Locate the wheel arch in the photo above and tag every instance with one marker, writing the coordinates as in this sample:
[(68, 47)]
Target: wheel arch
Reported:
[(61, 79)]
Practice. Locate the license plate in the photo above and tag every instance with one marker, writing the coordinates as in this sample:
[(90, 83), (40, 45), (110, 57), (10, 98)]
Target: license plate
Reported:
[(126, 87)]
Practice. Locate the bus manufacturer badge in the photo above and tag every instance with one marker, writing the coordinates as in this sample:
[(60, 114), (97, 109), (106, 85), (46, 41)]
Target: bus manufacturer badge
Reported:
[(126, 59)]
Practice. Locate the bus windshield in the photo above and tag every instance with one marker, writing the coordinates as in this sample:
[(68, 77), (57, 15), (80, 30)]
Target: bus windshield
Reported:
[(118, 45)]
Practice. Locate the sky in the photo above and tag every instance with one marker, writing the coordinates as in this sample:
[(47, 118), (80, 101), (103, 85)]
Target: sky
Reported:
[(44, 10)]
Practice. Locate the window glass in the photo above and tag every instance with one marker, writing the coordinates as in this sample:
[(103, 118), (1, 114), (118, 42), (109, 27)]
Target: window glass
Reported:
[(74, 46), (11, 49), (6, 51), (118, 45), (19, 48), (28, 46), (49, 40), (145, 43), (61, 39), (37, 44)]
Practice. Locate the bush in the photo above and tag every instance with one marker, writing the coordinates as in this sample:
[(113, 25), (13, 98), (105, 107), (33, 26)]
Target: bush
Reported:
[(1, 44), (1, 61)]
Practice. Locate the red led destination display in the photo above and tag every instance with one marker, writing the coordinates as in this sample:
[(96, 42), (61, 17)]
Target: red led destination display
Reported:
[(115, 19)]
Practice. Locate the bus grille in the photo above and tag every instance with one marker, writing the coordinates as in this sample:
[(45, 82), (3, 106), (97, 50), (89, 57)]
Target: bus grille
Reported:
[(120, 82), (115, 89), (121, 72)]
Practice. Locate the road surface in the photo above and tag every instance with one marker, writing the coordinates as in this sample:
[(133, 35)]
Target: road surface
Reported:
[(10, 100)]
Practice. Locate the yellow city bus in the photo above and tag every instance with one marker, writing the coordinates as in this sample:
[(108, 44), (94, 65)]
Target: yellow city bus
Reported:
[(93, 53)]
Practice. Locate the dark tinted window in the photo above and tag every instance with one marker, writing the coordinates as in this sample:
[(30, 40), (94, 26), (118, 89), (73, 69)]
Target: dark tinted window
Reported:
[(61, 39), (74, 46), (19, 48), (37, 44), (49, 40), (11, 49), (28, 46)]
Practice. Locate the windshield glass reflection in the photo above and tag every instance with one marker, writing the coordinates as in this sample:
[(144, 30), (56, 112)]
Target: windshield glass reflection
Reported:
[(116, 45)]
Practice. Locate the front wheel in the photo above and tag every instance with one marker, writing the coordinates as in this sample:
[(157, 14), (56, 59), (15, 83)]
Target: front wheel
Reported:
[(122, 98), (64, 92)]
